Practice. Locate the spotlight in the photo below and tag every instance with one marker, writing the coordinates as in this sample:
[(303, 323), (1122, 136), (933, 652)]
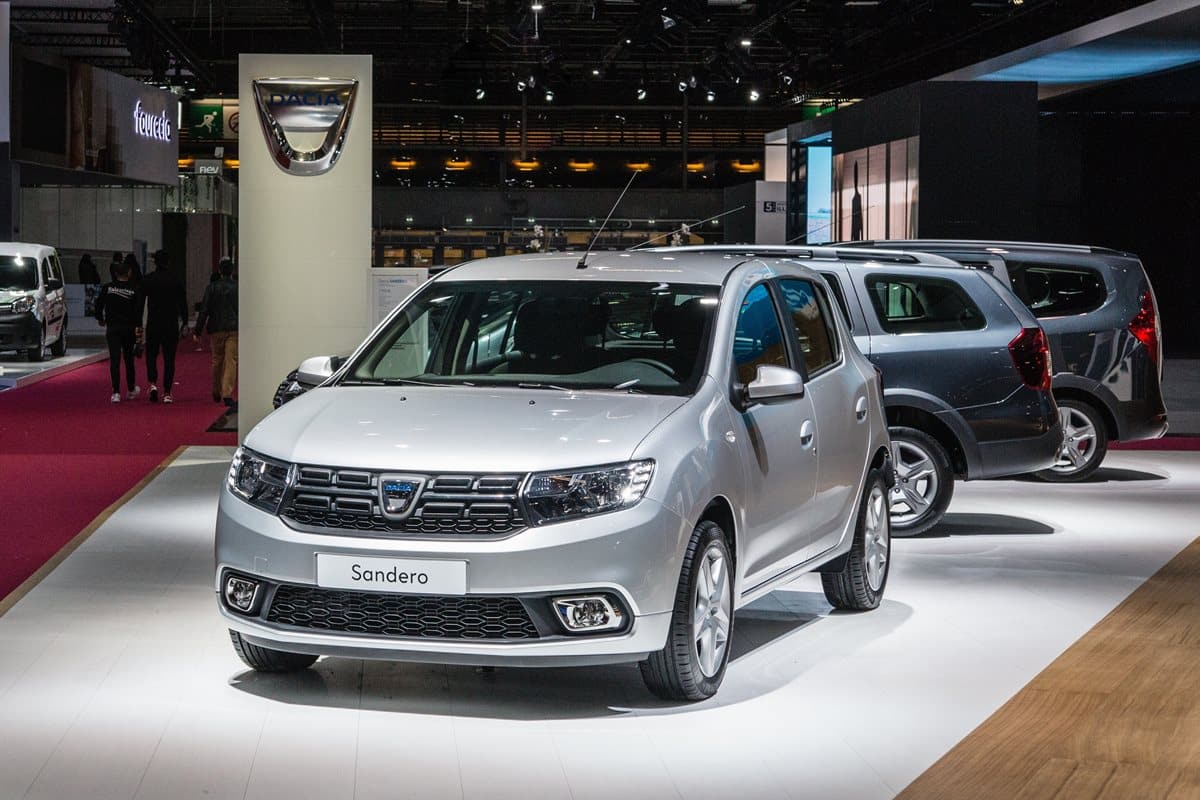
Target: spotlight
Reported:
[(754, 95), (520, 84), (683, 86), (641, 93), (710, 95), (480, 93), (536, 5), (596, 72), (745, 42), (549, 95), (667, 22)]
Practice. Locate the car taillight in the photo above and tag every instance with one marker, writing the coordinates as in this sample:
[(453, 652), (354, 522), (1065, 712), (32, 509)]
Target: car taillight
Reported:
[(1031, 355), (1144, 325)]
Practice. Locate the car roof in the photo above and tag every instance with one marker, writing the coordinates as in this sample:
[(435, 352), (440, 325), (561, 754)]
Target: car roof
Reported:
[(988, 244), (25, 249), (820, 253), (605, 265)]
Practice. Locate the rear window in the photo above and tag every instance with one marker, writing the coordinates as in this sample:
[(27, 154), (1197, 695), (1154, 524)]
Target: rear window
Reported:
[(1057, 290), (919, 304)]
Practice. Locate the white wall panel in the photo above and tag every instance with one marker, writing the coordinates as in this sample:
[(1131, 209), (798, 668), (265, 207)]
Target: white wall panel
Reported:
[(304, 241), (77, 218), (39, 215), (114, 217)]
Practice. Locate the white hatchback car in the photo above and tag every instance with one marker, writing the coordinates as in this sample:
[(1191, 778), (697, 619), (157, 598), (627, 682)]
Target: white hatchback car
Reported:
[(540, 460), (33, 300)]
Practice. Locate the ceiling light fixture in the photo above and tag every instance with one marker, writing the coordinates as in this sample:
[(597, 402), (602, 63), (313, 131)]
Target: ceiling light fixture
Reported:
[(754, 95), (710, 95), (549, 95), (746, 42), (641, 93)]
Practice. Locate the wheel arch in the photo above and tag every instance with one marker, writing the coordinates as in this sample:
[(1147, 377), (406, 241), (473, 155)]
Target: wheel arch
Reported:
[(1095, 401), (922, 420), (720, 511)]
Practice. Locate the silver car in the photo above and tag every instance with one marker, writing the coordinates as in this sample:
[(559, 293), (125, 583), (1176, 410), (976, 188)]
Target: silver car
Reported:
[(545, 460)]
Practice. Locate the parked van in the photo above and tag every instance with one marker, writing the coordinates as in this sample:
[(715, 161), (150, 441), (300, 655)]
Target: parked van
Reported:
[(33, 300)]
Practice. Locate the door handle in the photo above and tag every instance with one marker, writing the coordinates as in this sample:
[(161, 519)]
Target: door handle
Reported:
[(860, 409), (807, 433)]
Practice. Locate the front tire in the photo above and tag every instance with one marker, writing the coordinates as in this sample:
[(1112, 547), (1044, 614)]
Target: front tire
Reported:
[(692, 664), (38, 352), (924, 482), (1085, 443), (263, 659), (59, 348), (860, 584)]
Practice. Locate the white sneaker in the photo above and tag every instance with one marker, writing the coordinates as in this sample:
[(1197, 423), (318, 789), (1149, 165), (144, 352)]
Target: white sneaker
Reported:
[(132, 393), (116, 397), (167, 399)]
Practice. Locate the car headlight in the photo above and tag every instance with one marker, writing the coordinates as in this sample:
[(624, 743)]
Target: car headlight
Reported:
[(24, 304), (556, 496), (259, 481)]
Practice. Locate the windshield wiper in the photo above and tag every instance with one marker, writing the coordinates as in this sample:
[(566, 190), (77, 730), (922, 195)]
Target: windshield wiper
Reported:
[(359, 382), (535, 385), (628, 385)]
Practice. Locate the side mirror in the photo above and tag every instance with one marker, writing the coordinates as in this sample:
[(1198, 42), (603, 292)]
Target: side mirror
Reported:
[(774, 383), (316, 370)]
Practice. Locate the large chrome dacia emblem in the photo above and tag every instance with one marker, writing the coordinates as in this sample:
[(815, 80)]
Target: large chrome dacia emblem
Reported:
[(315, 111)]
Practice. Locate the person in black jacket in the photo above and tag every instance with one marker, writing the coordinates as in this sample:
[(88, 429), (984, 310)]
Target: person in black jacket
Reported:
[(219, 316), (166, 320), (119, 310)]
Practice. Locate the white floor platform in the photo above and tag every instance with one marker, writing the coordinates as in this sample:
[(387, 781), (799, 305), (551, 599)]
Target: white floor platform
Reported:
[(117, 679), (17, 371)]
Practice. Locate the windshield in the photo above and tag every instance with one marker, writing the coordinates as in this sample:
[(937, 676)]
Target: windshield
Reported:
[(17, 273), (639, 337)]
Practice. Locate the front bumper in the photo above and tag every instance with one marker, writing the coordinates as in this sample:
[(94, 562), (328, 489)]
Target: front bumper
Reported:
[(18, 331), (634, 554)]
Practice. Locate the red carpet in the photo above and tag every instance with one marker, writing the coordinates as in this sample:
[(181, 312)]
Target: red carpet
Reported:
[(67, 453), (1165, 443)]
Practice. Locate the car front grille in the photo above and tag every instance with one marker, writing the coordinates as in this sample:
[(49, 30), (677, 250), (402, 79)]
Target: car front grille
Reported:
[(401, 616), (453, 504)]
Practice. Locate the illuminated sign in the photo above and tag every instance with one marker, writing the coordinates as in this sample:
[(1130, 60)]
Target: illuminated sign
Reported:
[(152, 126)]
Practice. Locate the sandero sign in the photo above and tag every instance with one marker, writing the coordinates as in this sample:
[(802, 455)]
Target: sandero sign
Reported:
[(305, 120), (151, 125)]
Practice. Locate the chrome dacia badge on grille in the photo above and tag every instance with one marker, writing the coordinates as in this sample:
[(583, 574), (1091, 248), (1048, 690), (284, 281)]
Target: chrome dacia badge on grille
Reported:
[(313, 111), (398, 494)]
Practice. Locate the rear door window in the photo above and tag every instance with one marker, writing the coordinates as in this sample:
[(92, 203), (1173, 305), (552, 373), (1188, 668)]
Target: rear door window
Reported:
[(836, 287), (922, 304), (810, 321), (1057, 290)]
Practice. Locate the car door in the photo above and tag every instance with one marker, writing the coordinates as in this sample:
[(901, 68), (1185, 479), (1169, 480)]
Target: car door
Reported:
[(57, 300), (778, 446), (838, 391)]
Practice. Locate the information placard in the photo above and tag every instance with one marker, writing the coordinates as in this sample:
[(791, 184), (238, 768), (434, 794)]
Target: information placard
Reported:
[(391, 285)]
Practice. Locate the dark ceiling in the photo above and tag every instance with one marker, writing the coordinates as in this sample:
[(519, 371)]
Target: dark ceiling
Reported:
[(589, 52)]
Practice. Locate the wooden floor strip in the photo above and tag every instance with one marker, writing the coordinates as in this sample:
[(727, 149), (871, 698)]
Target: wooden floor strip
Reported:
[(1115, 717)]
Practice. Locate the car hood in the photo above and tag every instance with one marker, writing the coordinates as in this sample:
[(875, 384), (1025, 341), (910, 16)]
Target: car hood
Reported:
[(453, 429), (8, 295)]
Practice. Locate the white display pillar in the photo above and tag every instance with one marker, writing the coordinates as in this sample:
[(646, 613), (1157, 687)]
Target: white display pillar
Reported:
[(304, 211)]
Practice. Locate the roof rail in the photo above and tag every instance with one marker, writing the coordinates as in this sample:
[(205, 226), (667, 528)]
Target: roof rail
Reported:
[(976, 244)]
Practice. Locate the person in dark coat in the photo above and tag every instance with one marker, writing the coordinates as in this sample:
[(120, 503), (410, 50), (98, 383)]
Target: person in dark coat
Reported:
[(166, 321), (219, 316), (119, 310), (135, 269), (87, 270)]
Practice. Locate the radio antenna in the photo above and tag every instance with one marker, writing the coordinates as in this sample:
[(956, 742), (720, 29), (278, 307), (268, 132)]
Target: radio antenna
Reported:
[(583, 258), (692, 225)]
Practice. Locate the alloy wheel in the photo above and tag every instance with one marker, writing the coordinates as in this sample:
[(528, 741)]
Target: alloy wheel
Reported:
[(876, 538), (711, 610), (1079, 440), (916, 482)]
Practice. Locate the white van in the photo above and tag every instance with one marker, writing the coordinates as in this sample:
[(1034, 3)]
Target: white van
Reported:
[(33, 301)]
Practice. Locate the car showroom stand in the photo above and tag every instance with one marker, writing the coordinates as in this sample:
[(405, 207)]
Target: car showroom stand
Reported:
[(16, 371)]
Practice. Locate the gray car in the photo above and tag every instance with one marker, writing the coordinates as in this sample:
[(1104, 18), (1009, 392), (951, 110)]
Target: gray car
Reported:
[(966, 369), (548, 460), (1098, 309)]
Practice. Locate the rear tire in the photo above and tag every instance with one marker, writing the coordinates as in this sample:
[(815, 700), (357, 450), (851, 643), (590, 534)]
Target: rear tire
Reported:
[(692, 664), (860, 584), (1085, 443), (924, 482), (263, 659)]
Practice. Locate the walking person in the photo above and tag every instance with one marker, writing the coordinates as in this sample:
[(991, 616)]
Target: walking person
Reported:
[(166, 321), (219, 316), (135, 269), (119, 310)]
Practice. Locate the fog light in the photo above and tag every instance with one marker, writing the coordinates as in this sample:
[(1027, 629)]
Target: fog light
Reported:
[(588, 613), (240, 593)]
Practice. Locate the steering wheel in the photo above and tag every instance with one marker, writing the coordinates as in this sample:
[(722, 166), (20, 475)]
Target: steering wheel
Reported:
[(669, 370)]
